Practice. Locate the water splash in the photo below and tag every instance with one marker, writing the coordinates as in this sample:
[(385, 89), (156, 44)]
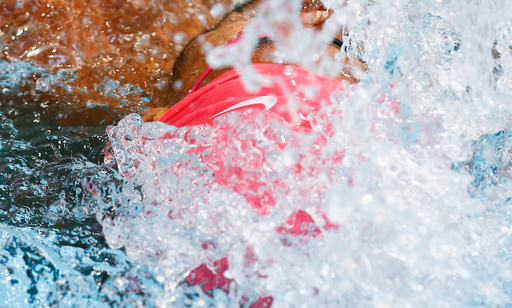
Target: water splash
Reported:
[(404, 207)]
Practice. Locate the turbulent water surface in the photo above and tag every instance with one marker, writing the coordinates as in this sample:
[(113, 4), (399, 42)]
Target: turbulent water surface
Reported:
[(405, 180)]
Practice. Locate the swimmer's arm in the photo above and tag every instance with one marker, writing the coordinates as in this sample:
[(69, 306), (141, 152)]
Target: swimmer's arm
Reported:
[(153, 114)]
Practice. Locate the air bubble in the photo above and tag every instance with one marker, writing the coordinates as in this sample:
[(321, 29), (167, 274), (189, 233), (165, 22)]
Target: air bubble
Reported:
[(217, 10)]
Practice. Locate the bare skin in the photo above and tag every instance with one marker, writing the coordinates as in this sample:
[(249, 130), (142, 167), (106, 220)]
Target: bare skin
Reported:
[(192, 63)]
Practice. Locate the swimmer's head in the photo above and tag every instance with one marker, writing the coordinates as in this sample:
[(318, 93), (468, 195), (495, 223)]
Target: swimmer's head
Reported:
[(191, 62)]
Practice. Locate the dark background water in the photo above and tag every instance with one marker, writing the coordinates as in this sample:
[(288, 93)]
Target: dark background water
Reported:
[(52, 251)]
